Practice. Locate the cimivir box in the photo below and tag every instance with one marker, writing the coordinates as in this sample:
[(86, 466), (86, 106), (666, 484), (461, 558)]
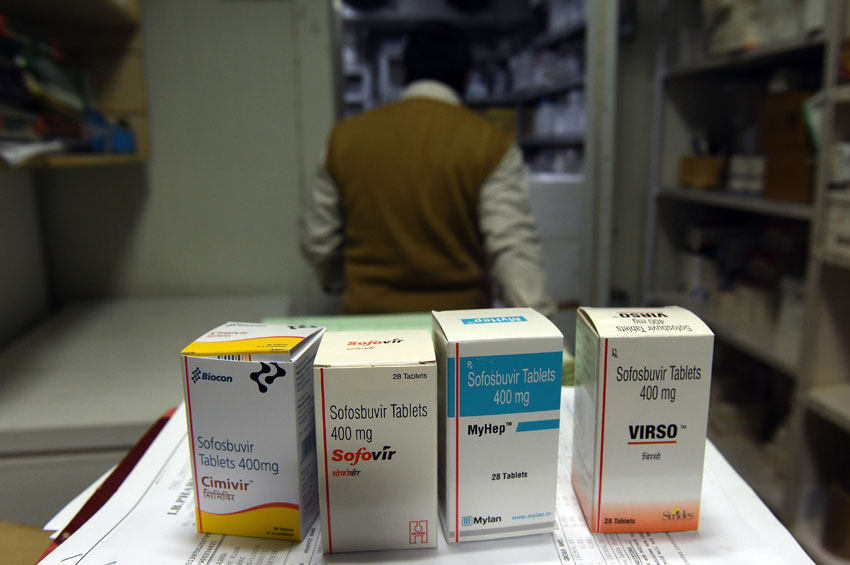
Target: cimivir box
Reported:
[(499, 401), (249, 407), (640, 416), (376, 426)]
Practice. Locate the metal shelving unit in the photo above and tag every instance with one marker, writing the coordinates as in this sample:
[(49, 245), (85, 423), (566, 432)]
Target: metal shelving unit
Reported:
[(753, 204), (814, 368)]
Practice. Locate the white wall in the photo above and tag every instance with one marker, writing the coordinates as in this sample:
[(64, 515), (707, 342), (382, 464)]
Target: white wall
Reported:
[(23, 285), (240, 97)]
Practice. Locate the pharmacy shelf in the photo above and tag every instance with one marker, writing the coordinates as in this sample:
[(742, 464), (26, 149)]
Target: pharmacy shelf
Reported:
[(746, 203), (536, 92), (778, 53), (490, 101), (542, 178), (808, 534), (832, 402), (835, 258), (763, 343), (68, 161), (745, 454), (551, 140), (554, 37), (840, 94)]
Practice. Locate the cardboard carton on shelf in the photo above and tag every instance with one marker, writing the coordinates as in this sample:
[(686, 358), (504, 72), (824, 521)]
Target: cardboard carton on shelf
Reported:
[(701, 172), (789, 175)]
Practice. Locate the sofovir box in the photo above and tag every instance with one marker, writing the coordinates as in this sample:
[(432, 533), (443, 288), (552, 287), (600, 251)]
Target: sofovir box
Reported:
[(376, 420), (640, 415), (499, 399), (249, 406)]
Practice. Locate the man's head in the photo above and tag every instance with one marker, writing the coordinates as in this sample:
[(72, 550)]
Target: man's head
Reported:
[(438, 50)]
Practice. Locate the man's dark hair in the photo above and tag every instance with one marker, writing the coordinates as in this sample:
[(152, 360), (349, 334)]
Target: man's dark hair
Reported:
[(438, 50)]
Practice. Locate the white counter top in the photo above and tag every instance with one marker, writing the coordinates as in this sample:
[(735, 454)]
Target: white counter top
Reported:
[(97, 375)]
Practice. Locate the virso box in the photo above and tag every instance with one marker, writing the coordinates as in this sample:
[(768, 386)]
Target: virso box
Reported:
[(249, 407), (376, 426), (639, 419), (499, 417)]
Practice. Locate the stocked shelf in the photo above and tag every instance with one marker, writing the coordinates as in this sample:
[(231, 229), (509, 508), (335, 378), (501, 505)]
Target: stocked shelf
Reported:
[(68, 161), (556, 178), (835, 258), (490, 101), (551, 140), (762, 342), (100, 44), (745, 203), (556, 36), (533, 93), (832, 402), (841, 94), (767, 55)]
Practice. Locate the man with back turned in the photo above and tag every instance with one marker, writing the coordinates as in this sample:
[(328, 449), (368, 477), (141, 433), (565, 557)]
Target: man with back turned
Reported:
[(422, 204)]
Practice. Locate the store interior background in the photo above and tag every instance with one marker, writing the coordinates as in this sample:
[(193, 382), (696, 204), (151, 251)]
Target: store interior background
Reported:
[(240, 95)]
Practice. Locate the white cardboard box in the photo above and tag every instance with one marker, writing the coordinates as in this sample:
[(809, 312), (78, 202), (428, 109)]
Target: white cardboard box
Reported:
[(249, 408), (641, 409), (376, 425), (500, 371)]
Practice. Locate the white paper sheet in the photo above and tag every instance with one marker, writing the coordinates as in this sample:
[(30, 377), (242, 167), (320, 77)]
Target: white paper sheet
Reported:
[(150, 519)]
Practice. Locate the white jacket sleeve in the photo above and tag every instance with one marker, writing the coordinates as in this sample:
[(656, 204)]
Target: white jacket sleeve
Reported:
[(511, 241), (321, 231)]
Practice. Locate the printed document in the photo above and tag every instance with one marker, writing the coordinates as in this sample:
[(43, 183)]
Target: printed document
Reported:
[(151, 519)]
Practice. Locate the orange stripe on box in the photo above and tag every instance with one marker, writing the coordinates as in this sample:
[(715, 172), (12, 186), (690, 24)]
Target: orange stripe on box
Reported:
[(260, 507)]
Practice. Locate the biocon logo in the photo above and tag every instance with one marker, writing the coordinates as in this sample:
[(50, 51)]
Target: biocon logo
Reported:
[(267, 377), (198, 375)]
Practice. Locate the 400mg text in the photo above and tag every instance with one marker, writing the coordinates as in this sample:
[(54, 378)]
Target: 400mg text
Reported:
[(258, 465), (506, 397), (347, 433)]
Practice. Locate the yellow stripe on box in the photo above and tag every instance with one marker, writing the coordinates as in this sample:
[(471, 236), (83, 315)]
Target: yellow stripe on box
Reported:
[(268, 344), (274, 522)]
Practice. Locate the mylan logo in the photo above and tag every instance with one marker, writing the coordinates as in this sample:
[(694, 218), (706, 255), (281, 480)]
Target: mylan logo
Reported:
[(198, 375), (267, 377)]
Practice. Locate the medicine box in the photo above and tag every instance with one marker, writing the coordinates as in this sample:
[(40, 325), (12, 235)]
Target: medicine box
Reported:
[(249, 406), (376, 420), (499, 417), (640, 416)]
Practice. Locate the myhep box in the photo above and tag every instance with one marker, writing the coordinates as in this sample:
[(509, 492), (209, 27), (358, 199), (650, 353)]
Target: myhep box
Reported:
[(499, 400), (376, 425), (249, 406), (640, 416)]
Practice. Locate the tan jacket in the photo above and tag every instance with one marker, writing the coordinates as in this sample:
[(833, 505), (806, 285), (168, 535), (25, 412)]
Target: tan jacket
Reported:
[(400, 196)]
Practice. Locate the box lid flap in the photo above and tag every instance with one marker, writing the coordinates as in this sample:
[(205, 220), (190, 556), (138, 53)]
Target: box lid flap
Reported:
[(372, 348), (495, 323), (238, 338), (644, 322)]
